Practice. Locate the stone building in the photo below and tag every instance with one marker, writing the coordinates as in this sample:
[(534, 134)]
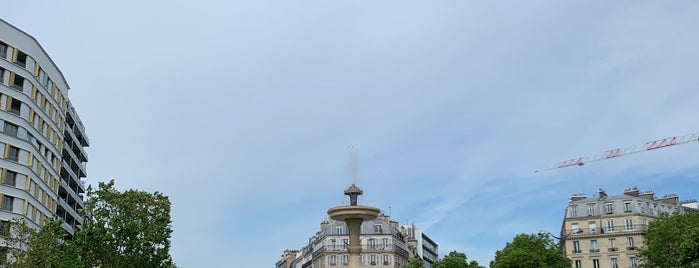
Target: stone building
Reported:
[(607, 231), (384, 244)]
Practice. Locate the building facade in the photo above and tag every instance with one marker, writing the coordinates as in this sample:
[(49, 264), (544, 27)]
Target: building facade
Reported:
[(42, 138), (421, 245), (607, 231), (383, 245)]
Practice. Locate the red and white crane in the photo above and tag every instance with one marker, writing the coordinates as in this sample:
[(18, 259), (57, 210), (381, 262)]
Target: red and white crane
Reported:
[(648, 146)]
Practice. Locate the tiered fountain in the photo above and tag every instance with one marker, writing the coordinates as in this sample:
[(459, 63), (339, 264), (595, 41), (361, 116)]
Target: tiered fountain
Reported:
[(353, 215)]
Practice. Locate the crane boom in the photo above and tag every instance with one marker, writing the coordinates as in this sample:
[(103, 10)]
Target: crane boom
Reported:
[(648, 146)]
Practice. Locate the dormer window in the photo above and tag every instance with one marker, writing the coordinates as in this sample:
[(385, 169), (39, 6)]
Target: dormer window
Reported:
[(377, 229)]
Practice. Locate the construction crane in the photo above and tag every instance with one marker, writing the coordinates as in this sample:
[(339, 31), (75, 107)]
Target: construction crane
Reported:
[(648, 146)]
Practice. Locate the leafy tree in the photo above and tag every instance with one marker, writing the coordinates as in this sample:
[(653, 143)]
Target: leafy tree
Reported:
[(530, 251), (45, 247), (456, 260), (125, 229), (672, 241), (415, 263)]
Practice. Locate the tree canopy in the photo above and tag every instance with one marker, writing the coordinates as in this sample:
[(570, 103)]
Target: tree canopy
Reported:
[(121, 229), (672, 241), (530, 251), (455, 260), (415, 263)]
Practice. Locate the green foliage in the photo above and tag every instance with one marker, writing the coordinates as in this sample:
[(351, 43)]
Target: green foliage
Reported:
[(121, 229), (43, 248), (672, 241), (455, 260), (530, 251), (125, 229), (415, 263)]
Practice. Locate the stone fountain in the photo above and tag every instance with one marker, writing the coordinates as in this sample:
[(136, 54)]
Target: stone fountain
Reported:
[(353, 215)]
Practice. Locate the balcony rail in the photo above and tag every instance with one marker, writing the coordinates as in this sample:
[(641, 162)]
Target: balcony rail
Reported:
[(604, 230)]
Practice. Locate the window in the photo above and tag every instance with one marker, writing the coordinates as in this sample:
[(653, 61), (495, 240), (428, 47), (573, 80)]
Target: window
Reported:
[(340, 229), (578, 264), (614, 263), (4, 227), (16, 107), (377, 229), (17, 83), (345, 243), (3, 50), (627, 206), (628, 224), (630, 243), (385, 259), (609, 208), (590, 209), (332, 260), (595, 263), (10, 178), (21, 59), (7, 202), (345, 259), (13, 153), (575, 229), (593, 246), (576, 247), (10, 129), (610, 226), (43, 78), (573, 211), (386, 242), (632, 261), (612, 244), (593, 228), (372, 243), (2, 76), (372, 259)]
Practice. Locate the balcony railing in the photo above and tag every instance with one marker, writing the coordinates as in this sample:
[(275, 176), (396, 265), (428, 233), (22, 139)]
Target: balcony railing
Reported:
[(594, 250), (604, 230)]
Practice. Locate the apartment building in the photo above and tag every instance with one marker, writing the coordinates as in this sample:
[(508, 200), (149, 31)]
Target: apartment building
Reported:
[(42, 138), (383, 245), (421, 245), (607, 231)]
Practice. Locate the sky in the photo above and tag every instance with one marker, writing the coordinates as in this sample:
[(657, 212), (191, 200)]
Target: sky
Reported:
[(244, 112)]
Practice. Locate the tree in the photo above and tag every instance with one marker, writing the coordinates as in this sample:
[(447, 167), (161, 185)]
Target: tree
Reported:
[(530, 251), (415, 263), (125, 229), (45, 247), (455, 260), (672, 241)]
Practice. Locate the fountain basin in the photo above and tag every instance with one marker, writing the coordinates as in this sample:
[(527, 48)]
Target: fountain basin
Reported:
[(343, 213)]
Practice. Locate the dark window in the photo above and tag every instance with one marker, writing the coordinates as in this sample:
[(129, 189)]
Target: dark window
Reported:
[(2, 75), (21, 59), (4, 227), (13, 153), (7, 202), (3, 50), (10, 129), (18, 83), (16, 106), (10, 178)]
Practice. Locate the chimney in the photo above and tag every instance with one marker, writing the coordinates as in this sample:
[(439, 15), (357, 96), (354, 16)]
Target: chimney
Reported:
[(602, 193), (647, 195), (672, 199), (632, 191), (577, 197), (324, 224)]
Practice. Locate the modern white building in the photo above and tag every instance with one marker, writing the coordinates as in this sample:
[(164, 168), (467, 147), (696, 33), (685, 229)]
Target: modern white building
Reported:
[(41, 136), (421, 245)]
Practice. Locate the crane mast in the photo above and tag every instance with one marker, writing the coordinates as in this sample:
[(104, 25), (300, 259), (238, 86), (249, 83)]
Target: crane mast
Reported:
[(648, 146)]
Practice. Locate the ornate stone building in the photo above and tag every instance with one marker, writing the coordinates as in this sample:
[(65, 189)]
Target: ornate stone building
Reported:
[(607, 231), (384, 244)]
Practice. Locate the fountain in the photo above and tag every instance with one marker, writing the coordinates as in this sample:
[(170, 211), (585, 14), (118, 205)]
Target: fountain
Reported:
[(353, 215)]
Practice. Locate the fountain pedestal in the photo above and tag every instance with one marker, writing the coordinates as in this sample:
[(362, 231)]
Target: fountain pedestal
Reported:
[(353, 215)]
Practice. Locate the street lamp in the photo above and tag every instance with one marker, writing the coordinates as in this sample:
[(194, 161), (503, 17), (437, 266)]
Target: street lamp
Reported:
[(561, 242)]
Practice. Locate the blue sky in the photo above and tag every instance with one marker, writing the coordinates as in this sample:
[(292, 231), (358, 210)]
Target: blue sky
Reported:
[(243, 112)]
